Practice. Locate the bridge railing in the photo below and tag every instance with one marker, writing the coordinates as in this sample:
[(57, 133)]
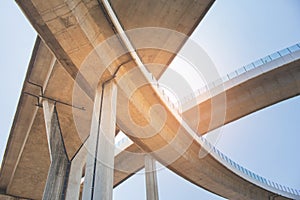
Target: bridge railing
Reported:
[(241, 70), (225, 160), (263, 182), (251, 176)]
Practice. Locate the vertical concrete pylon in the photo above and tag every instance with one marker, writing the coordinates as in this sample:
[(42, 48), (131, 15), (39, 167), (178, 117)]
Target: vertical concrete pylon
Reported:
[(77, 165), (151, 178), (59, 168), (98, 183)]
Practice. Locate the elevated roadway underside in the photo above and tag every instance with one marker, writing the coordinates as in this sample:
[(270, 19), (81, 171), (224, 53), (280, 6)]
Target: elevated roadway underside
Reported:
[(31, 171), (71, 30)]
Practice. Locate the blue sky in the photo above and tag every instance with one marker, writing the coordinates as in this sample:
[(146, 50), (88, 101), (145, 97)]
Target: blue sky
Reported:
[(17, 40), (233, 33)]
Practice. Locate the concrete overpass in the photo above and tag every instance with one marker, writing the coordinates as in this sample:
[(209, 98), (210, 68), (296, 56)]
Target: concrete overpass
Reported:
[(277, 68), (24, 148), (71, 29), (187, 163), (244, 88)]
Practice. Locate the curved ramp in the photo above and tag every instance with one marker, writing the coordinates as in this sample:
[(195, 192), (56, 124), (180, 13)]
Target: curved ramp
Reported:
[(215, 172)]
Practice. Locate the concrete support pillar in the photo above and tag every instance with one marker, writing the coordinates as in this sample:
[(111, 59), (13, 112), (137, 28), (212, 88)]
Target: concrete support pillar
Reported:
[(98, 183), (151, 178), (77, 165), (59, 168)]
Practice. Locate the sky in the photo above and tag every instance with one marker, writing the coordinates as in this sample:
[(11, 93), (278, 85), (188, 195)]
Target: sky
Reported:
[(17, 40), (233, 33)]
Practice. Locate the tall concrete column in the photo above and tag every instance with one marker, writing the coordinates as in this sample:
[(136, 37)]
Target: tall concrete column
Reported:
[(77, 165), (151, 178), (98, 183), (59, 168)]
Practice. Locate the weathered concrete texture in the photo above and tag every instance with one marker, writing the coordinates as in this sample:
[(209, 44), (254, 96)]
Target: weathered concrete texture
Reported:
[(7, 197), (73, 28), (58, 174), (180, 16)]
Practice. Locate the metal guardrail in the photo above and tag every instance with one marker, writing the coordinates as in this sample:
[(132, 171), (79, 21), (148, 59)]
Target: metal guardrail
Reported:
[(247, 173), (242, 70), (225, 160)]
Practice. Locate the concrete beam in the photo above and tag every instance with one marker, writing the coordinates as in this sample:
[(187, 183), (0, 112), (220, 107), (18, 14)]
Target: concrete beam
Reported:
[(60, 164)]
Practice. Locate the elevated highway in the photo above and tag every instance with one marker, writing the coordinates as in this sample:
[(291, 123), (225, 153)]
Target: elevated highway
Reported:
[(265, 75), (70, 30), (260, 84), (53, 79)]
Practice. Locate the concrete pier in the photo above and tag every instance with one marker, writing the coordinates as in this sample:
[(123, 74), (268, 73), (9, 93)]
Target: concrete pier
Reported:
[(98, 182), (151, 178), (70, 31), (60, 165), (77, 165)]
